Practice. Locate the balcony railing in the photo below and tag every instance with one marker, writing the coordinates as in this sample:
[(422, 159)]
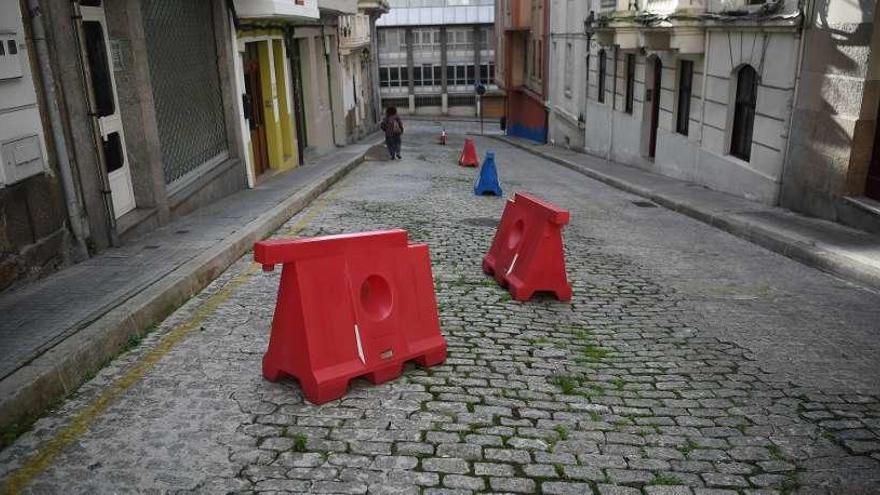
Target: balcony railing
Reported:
[(354, 31), (339, 6)]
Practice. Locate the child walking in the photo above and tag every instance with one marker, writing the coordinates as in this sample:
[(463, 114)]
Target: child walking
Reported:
[(393, 127)]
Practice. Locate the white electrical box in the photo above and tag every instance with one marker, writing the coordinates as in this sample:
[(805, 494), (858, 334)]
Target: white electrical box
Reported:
[(10, 59), (22, 158)]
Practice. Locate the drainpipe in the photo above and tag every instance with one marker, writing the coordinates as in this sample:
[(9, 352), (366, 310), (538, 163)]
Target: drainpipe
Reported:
[(703, 90), (89, 97), (329, 83), (613, 105), (807, 15), (47, 78)]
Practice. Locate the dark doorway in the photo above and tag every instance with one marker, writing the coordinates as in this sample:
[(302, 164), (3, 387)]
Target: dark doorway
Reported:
[(872, 185), (299, 110), (655, 106), (253, 89)]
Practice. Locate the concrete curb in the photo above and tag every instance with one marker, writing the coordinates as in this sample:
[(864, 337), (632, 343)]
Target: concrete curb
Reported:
[(29, 391), (809, 254)]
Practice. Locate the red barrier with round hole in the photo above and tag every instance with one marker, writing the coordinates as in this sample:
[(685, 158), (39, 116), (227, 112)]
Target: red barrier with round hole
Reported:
[(527, 254), (468, 157), (349, 306)]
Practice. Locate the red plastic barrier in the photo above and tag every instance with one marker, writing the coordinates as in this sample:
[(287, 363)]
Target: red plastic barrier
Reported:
[(527, 255), (468, 157), (348, 306)]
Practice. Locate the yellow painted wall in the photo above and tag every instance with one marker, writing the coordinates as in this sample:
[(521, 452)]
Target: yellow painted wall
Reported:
[(287, 129), (280, 129), (273, 127)]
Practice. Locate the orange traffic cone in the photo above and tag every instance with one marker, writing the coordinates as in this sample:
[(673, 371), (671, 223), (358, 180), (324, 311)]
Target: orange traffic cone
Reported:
[(468, 156)]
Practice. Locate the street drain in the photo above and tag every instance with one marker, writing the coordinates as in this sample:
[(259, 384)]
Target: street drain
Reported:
[(644, 204), (482, 222)]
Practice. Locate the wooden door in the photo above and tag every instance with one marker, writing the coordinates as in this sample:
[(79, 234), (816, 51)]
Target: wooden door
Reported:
[(655, 107), (254, 101)]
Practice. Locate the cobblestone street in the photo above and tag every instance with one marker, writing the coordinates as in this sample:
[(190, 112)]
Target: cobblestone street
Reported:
[(689, 362)]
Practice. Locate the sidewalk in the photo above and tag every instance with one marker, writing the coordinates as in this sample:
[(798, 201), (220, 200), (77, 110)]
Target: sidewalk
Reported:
[(58, 331), (834, 248)]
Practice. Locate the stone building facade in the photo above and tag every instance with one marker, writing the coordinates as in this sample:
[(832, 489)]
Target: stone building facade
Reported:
[(433, 53), (117, 117), (768, 100), (521, 40)]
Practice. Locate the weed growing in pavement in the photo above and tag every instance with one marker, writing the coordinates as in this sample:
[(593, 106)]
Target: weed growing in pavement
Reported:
[(567, 384), (775, 452), (618, 383), (595, 416), (562, 431), (299, 442), (560, 471), (688, 447), (591, 354), (665, 479)]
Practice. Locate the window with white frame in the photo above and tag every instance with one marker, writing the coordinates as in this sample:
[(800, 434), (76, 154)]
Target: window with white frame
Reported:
[(393, 76)]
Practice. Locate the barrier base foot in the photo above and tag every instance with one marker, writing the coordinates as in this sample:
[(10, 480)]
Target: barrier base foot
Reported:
[(385, 374), (272, 373), (431, 358), (325, 391)]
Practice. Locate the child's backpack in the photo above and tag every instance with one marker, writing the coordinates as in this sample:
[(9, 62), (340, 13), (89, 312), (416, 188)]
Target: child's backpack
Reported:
[(395, 129)]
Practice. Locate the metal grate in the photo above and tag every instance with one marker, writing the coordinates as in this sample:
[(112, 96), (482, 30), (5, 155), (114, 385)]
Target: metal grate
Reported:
[(181, 51), (462, 100), (428, 101)]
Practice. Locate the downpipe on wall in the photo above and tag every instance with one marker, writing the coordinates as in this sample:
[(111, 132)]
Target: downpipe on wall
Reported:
[(806, 16), (329, 83), (65, 169), (613, 105), (89, 97)]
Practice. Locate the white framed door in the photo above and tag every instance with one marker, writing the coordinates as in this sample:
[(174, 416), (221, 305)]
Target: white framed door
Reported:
[(97, 46)]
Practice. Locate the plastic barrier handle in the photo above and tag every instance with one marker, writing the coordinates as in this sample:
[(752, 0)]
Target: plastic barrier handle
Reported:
[(271, 253)]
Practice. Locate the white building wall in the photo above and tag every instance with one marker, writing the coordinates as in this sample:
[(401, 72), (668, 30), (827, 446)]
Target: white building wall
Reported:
[(22, 144), (568, 110), (703, 155)]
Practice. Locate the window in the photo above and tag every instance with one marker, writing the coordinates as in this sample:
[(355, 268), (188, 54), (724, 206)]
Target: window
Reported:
[(383, 77), (540, 59), (587, 68), (99, 65), (630, 81), (426, 73), (602, 62), (569, 67), (685, 81), (470, 75), (394, 76), (744, 113), (417, 76)]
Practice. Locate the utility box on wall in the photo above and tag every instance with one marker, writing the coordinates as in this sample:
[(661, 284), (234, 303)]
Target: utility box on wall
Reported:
[(22, 158), (22, 149), (10, 65)]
